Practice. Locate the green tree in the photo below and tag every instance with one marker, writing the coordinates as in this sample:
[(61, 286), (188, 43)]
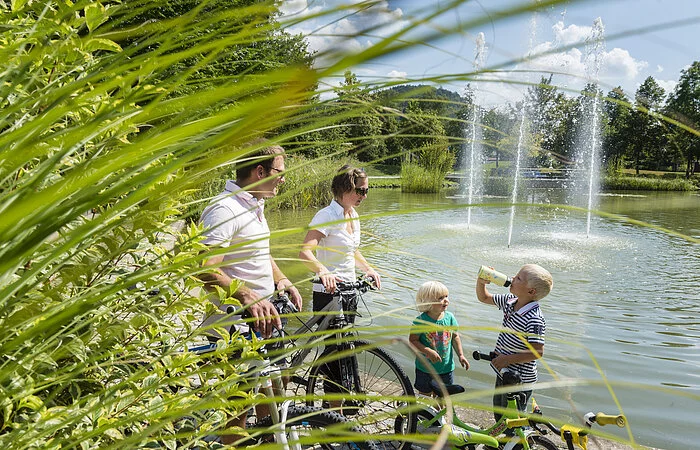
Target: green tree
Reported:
[(682, 106), (250, 40), (552, 117), (647, 136), (498, 141), (360, 119), (616, 137)]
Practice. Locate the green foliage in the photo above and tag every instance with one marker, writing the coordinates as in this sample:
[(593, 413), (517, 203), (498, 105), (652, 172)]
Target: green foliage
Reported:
[(682, 108), (308, 182), (619, 183), (98, 290), (417, 179)]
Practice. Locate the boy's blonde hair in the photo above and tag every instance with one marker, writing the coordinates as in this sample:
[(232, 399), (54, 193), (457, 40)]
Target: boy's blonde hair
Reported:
[(539, 279), (430, 292)]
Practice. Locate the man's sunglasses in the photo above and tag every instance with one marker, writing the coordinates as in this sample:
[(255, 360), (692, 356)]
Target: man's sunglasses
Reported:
[(362, 191)]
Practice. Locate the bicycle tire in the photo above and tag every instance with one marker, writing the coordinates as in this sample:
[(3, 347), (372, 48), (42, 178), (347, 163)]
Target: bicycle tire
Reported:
[(537, 442), (381, 378), (316, 420)]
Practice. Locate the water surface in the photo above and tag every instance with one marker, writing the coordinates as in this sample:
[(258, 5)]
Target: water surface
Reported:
[(625, 308)]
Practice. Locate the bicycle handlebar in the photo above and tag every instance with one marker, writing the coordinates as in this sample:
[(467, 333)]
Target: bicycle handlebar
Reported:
[(509, 377), (363, 284), (605, 419), (477, 355)]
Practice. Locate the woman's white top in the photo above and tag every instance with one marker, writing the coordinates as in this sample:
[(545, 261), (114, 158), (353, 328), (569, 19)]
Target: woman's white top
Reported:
[(337, 249)]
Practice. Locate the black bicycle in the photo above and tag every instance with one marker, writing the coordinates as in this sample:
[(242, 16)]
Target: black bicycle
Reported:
[(341, 372)]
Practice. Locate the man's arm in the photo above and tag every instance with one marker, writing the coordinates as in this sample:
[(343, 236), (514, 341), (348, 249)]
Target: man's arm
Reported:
[(262, 311), (282, 283)]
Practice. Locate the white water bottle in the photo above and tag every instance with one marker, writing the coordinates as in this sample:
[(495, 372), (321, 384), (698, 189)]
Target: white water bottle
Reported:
[(494, 276)]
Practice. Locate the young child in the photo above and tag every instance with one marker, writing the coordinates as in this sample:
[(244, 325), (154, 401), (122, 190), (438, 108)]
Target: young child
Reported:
[(522, 315), (438, 343)]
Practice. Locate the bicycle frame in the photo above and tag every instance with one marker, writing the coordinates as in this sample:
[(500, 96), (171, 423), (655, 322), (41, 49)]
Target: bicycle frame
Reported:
[(269, 379), (332, 311), (494, 431)]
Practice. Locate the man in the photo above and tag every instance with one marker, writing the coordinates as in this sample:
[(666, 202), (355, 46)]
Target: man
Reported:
[(235, 219)]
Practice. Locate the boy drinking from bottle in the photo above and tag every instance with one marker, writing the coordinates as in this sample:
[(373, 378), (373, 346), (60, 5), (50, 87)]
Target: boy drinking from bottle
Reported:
[(521, 344)]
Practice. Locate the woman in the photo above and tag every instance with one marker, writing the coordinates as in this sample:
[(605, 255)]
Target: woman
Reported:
[(337, 243), (336, 238)]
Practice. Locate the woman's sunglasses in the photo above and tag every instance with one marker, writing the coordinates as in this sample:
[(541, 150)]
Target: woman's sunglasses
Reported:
[(362, 191)]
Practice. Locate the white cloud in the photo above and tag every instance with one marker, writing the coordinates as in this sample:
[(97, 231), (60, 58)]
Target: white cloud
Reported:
[(397, 74), (345, 31), (293, 7), (571, 35), (619, 64), (659, 68)]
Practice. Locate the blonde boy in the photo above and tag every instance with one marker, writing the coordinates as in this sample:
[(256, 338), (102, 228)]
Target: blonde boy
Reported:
[(518, 350)]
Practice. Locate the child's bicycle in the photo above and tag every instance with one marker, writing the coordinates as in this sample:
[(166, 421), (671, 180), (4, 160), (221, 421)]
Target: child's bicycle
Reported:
[(527, 432)]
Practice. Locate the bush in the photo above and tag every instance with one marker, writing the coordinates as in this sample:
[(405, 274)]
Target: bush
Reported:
[(307, 182), (417, 179), (646, 184)]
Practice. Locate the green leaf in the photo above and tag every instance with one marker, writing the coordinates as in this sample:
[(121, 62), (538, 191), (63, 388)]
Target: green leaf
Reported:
[(16, 5), (95, 15), (94, 44), (31, 402)]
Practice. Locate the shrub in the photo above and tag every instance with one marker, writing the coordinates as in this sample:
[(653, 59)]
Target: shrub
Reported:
[(646, 184), (417, 179)]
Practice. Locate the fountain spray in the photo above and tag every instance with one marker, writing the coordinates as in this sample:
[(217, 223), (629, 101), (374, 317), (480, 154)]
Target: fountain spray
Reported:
[(474, 167)]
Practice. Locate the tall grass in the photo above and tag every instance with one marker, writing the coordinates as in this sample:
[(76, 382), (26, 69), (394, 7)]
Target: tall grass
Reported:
[(616, 183)]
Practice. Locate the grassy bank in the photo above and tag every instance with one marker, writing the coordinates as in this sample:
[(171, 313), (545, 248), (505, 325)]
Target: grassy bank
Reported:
[(619, 183)]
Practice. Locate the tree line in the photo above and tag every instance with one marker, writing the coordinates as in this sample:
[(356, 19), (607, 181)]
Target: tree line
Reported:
[(655, 130)]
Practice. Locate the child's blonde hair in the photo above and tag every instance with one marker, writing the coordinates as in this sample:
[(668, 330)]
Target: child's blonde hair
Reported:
[(539, 279), (429, 293)]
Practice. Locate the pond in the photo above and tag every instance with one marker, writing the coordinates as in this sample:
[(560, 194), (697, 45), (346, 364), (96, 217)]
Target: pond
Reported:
[(623, 319)]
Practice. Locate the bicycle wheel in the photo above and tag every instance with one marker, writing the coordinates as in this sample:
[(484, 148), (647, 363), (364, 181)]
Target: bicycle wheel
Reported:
[(314, 427), (537, 442), (374, 409)]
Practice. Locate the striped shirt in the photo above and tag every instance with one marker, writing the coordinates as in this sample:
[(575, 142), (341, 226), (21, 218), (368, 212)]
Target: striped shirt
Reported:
[(527, 323)]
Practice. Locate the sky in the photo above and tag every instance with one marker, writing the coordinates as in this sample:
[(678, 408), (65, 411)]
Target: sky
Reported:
[(642, 38)]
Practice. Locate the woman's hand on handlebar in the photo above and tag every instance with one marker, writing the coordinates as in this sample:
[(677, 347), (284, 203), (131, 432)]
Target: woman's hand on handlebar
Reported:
[(329, 281), (371, 273)]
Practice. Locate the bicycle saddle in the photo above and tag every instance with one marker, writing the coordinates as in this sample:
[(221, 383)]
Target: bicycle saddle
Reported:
[(451, 389)]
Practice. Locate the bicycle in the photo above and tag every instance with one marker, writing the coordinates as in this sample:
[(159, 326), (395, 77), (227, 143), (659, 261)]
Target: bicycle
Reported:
[(572, 435), (527, 433), (291, 426), (372, 387)]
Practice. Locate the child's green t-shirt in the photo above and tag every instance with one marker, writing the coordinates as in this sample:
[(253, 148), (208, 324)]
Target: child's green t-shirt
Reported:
[(439, 339)]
